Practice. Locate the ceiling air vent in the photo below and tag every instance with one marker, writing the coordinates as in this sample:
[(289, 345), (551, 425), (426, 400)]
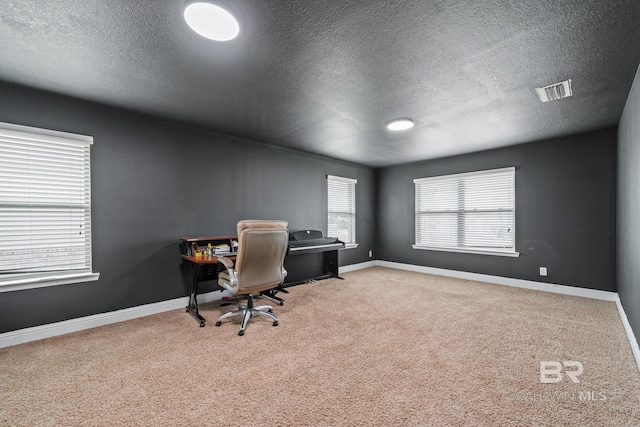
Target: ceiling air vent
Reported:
[(555, 91)]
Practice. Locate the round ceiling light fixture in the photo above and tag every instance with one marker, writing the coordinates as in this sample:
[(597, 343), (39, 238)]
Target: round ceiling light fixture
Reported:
[(211, 21), (400, 124)]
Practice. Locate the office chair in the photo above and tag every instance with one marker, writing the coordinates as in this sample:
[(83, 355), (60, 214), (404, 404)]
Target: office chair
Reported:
[(259, 266)]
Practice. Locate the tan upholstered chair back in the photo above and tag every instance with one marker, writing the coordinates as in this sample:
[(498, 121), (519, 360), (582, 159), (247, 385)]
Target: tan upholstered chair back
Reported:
[(262, 246)]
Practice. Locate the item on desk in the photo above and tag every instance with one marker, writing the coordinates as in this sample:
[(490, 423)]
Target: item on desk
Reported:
[(222, 249), (195, 249), (208, 251)]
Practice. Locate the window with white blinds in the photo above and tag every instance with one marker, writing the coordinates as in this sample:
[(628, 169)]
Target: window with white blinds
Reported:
[(342, 208), (45, 205), (468, 212)]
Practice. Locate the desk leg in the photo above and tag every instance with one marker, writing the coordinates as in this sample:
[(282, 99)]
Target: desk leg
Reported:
[(331, 263), (192, 308)]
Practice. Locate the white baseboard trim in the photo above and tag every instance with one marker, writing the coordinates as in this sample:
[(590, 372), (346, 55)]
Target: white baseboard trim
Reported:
[(22, 336), (527, 284), (518, 283), (34, 333), (635, 349), (359, 266)]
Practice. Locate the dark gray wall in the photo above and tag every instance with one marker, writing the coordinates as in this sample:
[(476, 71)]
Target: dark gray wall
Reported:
[(565, 211), (154, 181), (629, 208)]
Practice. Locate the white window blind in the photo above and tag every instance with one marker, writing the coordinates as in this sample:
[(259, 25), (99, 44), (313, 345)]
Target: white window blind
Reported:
[(342, 208), (45, 204), (469, 212)]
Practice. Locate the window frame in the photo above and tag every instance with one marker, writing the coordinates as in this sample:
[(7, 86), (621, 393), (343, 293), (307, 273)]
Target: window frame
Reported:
[(351, 209), (462, 214), (10, 131)]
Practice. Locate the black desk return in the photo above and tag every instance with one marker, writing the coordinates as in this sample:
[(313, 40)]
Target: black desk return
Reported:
[(310, 256), (301, 263)]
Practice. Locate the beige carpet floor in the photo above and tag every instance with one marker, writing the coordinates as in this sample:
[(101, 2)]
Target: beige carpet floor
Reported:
[(381, 348)]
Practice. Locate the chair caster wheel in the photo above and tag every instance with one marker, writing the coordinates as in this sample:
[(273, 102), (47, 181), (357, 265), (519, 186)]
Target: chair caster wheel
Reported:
[(275, 323), (241, 333), (281, 303), (218, 323), (202, 325), (270, 310)]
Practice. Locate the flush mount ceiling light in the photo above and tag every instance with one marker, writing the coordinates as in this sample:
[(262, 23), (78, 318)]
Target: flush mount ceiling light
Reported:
[(400, 124), (211, 21), (555, 91)]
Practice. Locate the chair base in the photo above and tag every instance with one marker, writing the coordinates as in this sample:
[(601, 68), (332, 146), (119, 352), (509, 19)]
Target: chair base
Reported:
[(271, 293), (247, 311)]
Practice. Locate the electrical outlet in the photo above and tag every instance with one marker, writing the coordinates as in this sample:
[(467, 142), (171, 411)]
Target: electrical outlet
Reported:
[(543, 271), (370, 254)]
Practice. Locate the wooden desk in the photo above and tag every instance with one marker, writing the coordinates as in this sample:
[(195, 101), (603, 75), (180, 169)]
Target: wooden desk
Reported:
[(203, 267), (197, 263), (298, 267), (202, 260)]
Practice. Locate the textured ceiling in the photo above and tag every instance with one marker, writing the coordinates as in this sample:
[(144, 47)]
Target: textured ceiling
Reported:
[(325, 76)]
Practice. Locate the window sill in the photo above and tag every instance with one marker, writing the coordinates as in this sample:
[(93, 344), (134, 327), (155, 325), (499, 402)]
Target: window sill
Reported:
[(42, 282), (469, 251), (350, 245)]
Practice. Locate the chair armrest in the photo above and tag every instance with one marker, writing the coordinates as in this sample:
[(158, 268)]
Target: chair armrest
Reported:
[(232, 286), (226, 261)]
